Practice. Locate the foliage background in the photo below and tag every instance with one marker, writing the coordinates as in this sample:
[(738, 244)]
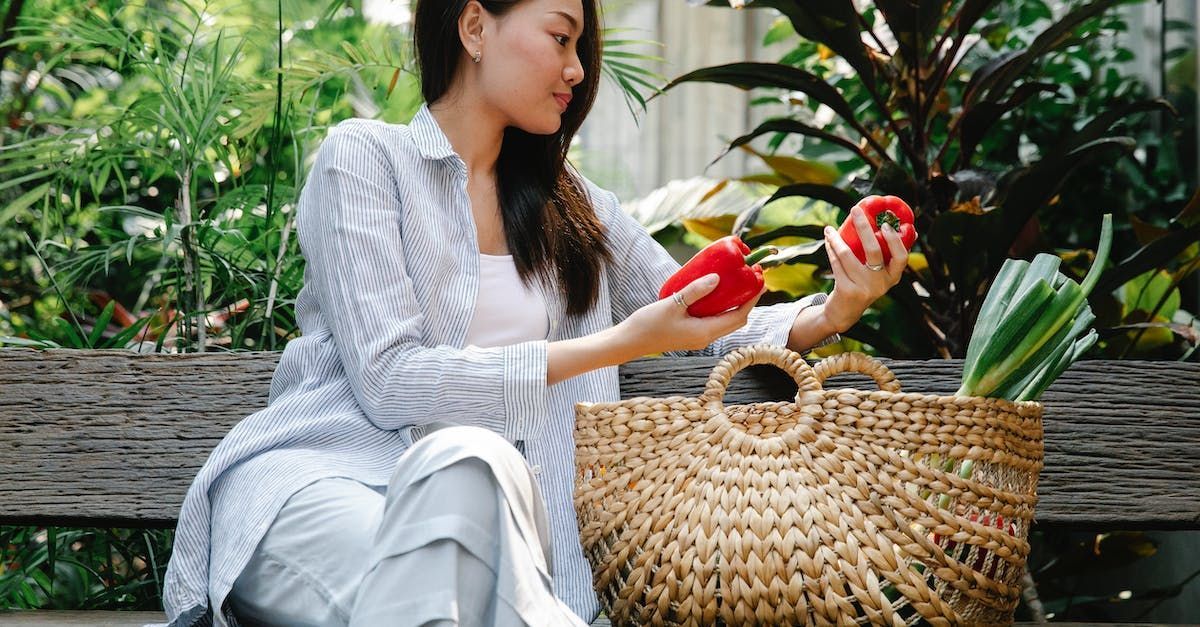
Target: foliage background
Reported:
[(122, 225)]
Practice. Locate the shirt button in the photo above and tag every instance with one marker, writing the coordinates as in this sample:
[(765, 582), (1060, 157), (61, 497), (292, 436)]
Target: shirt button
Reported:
[(537, 469)]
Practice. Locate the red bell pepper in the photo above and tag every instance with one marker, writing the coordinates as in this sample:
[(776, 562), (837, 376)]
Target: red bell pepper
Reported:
[(880, 209), (952, 548), (729, 257)]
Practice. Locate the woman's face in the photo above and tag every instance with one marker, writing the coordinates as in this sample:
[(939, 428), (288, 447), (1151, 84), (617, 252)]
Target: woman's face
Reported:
[(529, 63)]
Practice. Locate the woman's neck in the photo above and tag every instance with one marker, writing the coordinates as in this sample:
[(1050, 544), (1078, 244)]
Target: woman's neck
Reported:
[(475, 133)]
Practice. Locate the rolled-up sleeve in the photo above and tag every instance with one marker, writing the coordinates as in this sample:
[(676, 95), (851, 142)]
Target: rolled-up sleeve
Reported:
[(641, 265), (349, 227)]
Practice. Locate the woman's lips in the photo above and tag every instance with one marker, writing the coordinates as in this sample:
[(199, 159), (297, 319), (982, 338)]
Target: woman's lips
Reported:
[(563, 101)]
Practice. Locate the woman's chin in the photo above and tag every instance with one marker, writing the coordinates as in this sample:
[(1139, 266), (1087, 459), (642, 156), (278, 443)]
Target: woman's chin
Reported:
[(544, 124)]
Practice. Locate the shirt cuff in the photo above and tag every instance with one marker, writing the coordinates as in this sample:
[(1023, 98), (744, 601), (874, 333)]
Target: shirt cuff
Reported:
[(783, 331), (525, 389)]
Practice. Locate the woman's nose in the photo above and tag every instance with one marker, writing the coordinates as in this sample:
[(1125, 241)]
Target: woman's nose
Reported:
[(573, 73)]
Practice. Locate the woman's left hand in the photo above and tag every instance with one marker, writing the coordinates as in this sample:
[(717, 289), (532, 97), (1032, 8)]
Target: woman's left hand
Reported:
[(856, 285)]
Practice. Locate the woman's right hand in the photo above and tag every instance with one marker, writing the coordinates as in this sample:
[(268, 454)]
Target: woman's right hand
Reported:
[(665, 325)]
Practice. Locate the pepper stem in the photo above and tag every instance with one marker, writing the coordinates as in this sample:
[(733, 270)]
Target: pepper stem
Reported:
[(760, 254), (890, 218)]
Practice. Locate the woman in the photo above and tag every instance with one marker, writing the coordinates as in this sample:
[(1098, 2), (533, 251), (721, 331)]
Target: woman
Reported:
[(463, 289)]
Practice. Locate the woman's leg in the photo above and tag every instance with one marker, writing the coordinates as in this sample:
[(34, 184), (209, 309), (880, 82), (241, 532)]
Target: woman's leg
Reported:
[(463, 540), (307, 568)]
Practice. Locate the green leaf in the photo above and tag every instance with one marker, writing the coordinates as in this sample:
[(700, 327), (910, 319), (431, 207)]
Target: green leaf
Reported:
[(1001, 293), (1043, 360), (1102, 251), (127, 334), (1095, 129), (780, 30), (834, 23), (693, 199), (23, 202), (790, 126), (1050, 39), (1030, 189), (980, 119), (913, 24), (73, 338), (28, 343), (892, 180), (799, 170), (828, 193), (982, 78), (1149, 257), (752, 75), (1080, 346), (1146, 291), (810, 231), (1009, 332), (101, 323), (969, 13)]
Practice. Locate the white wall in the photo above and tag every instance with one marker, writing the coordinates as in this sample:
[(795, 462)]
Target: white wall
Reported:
[(682, 131)]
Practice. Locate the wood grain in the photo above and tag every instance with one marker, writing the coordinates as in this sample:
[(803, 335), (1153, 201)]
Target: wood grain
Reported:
[(114, 438), (63, 618)]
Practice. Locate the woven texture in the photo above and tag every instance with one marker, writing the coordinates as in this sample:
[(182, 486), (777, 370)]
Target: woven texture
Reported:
[(839, 507)]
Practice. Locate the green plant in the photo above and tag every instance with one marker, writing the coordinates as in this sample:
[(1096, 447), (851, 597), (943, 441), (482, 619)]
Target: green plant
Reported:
[(1034, 323), (110, 236), (920, 119), (86, 568), (183, 179)]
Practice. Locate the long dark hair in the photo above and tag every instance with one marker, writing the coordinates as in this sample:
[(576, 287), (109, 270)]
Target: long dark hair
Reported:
[(549, 223)]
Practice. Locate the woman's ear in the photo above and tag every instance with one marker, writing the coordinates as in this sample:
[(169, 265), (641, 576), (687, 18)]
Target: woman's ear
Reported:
[(470, 28)]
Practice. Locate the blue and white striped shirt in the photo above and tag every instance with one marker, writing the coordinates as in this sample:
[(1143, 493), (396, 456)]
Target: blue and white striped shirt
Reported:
[(386, 228)]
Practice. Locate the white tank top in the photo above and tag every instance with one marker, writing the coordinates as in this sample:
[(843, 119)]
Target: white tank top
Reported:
[(506, 312)]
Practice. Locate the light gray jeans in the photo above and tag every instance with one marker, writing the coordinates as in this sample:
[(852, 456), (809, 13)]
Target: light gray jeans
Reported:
[(459, 536)]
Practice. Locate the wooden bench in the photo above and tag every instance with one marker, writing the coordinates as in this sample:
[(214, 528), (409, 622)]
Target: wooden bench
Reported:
[(113, 439)]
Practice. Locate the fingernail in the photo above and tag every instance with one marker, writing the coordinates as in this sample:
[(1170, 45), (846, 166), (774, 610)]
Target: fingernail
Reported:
[(828, 230), (712, 279), (887, 227)]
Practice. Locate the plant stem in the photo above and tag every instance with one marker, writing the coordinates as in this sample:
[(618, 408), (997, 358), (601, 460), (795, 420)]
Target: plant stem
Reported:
[(191, 253), (273, 175), (268, 324), (10, 22)]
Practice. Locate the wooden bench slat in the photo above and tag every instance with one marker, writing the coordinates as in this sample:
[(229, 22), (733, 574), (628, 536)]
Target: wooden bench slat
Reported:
[(112, 438), (64, 618), (59, 618)]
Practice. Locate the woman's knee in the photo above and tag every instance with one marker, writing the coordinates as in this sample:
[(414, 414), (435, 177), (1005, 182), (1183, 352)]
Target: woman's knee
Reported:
[(473, 441), (492, 453)]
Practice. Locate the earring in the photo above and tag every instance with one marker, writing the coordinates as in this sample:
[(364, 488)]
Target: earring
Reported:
[(476, 56)]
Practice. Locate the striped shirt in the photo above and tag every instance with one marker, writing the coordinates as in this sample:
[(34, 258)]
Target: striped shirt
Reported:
[(390, 283)]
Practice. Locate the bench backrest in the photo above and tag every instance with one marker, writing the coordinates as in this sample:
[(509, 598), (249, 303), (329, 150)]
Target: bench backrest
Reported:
[(112, 438)]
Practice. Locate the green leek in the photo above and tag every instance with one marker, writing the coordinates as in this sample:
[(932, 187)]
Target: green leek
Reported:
[(1034, 322)]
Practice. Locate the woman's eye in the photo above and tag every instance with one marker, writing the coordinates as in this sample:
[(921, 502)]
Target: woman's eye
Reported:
[(562, 39)]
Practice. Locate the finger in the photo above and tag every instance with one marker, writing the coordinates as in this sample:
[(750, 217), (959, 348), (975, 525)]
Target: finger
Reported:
[(899, 254), (866, 235), (700, 288), (843, 254), (839, 273), (736, 318), (835, 264), (750, 304)]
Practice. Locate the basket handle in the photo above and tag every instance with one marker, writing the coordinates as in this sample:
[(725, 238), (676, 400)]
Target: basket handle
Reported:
[(859, 363), (789, 361)]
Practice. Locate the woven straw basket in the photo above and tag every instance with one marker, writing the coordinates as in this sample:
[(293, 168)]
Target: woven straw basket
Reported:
[(842, 507)]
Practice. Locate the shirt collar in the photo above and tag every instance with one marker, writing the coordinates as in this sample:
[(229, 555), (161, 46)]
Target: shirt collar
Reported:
[(428, 136)]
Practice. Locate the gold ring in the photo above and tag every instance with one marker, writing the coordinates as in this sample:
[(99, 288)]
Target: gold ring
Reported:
[(874, 267)]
